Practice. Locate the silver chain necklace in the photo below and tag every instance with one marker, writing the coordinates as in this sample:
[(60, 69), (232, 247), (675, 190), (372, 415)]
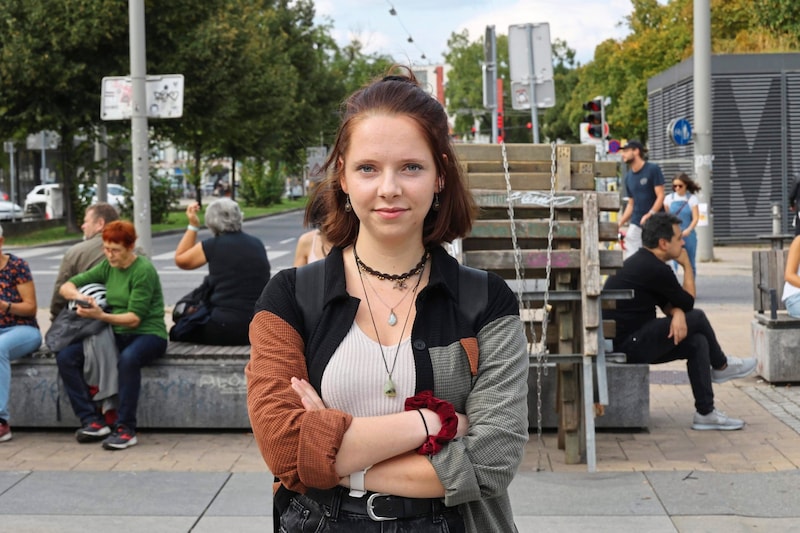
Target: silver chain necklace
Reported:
[(392, 317), (389, 388)]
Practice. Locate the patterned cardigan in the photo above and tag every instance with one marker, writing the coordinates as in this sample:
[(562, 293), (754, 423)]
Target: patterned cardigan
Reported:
[(482, 369)]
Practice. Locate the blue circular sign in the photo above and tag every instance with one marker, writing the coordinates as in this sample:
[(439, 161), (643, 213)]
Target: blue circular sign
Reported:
[(679, 131)]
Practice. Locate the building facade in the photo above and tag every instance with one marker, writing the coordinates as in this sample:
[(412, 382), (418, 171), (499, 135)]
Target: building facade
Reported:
[(755, 98)]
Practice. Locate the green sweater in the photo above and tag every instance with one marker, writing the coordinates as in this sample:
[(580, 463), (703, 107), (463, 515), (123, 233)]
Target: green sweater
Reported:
[(136, 289)]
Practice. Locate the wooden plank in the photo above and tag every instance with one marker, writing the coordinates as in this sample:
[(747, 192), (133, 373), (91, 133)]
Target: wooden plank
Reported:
[(533, 259), (606, 169), (540, 199), (526, 182), (590, 259), (563, 181), (520, 152), (538, 229)]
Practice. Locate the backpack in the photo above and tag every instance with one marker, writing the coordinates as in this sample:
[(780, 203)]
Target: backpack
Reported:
[(309, 292)]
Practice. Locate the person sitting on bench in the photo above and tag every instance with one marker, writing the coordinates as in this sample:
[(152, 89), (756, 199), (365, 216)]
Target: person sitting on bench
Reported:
[(684, 333), (791, 287)]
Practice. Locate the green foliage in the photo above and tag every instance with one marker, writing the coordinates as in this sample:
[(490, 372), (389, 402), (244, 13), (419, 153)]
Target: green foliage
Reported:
[(163, 199), (262, 183)]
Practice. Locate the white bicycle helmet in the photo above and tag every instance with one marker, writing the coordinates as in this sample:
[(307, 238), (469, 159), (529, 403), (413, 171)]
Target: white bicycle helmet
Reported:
[(96, 291)]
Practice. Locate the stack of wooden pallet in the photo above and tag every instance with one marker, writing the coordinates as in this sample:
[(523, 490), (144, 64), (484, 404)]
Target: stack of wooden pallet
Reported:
[(574, 242)]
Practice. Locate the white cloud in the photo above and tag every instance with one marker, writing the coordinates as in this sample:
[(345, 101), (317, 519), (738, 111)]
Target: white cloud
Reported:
[(583, 24)]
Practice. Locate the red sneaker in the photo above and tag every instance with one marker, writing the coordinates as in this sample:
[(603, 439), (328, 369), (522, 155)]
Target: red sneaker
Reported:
[(5, 432)]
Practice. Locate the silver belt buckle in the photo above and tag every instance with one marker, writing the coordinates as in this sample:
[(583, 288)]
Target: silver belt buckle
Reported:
[(371, 509)]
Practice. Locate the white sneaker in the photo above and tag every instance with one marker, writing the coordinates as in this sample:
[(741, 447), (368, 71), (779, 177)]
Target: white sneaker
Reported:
[(716, 420), (737, 368)]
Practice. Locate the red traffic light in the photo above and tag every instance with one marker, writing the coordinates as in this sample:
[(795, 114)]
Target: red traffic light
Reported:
[(594, 105), (529, 126)]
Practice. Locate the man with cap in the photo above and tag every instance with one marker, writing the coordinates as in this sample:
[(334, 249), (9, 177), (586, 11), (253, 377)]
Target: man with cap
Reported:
[(644, 187)]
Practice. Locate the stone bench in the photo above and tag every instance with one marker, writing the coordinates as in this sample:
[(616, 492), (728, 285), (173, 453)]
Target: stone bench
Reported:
[(192, 386), (628, 405), (776, 342)]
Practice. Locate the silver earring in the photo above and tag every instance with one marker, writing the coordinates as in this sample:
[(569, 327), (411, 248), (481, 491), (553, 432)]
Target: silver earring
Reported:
[(436, 204), (347, 206)]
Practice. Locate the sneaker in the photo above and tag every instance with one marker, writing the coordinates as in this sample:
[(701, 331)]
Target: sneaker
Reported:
[(737, 368), (716, 420), (121, 438), (92, 432), (5, 432)]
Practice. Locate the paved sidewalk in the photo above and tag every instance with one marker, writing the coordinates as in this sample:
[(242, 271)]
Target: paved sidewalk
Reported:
[(669, 478)]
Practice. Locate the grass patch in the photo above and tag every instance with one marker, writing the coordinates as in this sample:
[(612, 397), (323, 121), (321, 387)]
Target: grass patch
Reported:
[(176, 221)]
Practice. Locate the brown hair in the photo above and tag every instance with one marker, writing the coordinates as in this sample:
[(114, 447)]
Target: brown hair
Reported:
[(120, 232), (397, 94), (691, 185)]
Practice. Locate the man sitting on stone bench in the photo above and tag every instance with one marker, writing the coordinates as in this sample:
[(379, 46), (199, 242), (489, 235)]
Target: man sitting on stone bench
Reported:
[(684, 333)]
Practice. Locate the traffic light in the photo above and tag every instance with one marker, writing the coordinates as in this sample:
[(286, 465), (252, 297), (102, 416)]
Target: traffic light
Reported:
[(595, 117), (500, 131)]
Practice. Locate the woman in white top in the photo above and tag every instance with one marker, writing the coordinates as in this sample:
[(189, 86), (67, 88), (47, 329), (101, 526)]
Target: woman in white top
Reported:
[(312, 245), (791, 289), (683, 203)]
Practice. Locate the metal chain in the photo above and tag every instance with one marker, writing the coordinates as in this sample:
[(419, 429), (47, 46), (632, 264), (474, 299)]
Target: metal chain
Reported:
[(519, 269)]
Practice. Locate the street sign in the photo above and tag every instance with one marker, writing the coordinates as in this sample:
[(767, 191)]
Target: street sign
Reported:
[(679, 131), (8, 147), (530, 59), (613, 146), (164, 97)]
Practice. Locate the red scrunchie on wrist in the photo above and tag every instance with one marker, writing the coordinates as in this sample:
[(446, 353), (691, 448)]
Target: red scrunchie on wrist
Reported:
[(447, 414)]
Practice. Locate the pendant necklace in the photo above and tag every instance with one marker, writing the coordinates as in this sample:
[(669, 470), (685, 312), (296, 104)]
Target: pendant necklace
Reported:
[(392, 317), (389, 388)]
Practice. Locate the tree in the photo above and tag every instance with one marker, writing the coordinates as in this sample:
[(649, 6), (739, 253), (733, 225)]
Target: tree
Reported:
[(50, 72)]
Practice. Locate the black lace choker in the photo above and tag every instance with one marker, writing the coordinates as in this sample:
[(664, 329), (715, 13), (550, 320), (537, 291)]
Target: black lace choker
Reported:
[(398, 279)]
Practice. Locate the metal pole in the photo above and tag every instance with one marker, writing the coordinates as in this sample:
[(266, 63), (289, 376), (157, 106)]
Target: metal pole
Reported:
[(532, 82), (139, 138), (12, 181), (491, 76), (100, 156), (43, 171), (703, 157)]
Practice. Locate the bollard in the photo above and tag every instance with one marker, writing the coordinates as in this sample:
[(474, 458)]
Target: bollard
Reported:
[(776, 219)]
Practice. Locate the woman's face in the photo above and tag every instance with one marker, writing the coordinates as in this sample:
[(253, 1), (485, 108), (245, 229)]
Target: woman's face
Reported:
[(390, 175), (118, 256)]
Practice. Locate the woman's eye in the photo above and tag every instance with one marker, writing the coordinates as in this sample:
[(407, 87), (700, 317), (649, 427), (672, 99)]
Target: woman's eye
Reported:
[(366, 168), (414, 167)]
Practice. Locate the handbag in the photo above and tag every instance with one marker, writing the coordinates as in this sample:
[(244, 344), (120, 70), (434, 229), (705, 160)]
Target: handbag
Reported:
[(191, 312)]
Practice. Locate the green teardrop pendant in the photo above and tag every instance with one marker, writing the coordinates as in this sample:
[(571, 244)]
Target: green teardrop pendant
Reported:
[(389, 389)]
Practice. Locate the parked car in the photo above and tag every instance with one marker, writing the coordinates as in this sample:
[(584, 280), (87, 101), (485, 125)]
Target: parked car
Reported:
[(45, 201), (10, 211)]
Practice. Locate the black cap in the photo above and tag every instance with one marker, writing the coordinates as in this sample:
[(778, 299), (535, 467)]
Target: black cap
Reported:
[(633, 143)]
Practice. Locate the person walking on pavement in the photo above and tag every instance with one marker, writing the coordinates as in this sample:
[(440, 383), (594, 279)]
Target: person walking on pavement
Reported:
[(84, 255), (644, 187), (683, 203), (684, 333)]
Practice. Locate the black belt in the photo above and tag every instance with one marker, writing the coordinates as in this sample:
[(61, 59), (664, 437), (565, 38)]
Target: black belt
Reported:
[(375, 505)]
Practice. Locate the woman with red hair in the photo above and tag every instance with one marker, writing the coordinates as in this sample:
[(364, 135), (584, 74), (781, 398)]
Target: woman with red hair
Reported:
[(136, 316)]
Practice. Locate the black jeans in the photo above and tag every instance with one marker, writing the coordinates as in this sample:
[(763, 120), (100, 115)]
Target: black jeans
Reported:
[(305, 515), (650, 345)]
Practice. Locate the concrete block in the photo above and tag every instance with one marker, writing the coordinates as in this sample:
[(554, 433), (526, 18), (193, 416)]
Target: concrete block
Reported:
[(628, 396), (176, 393), (776, 345)]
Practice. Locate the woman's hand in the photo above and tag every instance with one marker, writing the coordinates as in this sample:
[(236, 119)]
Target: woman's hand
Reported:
[(309, 397), (191, 213), (93, 311)]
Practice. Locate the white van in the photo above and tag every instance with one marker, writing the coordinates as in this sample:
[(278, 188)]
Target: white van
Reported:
[(45, 201)]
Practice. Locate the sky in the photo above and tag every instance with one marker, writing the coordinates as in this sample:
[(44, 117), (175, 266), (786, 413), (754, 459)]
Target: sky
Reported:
[(583, 24)]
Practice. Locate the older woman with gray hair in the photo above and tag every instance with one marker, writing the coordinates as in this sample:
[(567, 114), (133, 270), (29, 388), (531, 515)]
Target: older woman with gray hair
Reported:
[(238, 270)]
